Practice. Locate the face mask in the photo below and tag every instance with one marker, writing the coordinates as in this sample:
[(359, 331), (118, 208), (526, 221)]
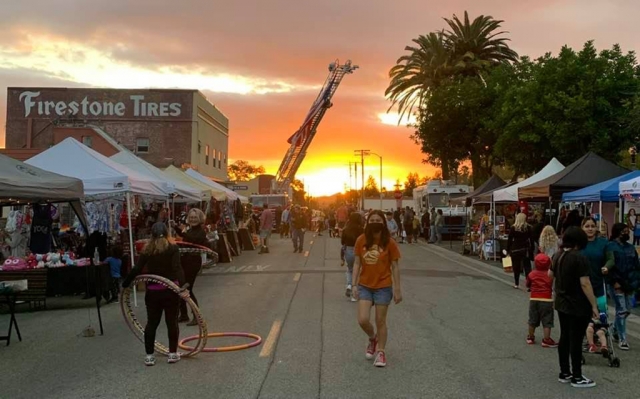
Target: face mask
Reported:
[(375, 228), (624, 237)]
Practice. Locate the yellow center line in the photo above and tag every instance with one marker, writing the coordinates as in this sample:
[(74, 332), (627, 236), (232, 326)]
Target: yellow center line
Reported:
[(270, 342)]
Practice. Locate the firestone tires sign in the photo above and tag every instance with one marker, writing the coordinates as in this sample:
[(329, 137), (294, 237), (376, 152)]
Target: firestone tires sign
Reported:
[(88, 107)]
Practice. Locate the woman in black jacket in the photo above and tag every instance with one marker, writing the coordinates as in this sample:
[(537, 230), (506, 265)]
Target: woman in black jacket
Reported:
[(161, 258), (192, 262), (520, 247)]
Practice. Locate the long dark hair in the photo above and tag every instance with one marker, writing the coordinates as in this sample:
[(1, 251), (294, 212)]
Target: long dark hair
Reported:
[(616, 231), (385, 236), (354, 225)]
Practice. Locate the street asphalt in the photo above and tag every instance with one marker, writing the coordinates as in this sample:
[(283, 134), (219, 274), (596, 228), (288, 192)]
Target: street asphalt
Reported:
[(459, 333)]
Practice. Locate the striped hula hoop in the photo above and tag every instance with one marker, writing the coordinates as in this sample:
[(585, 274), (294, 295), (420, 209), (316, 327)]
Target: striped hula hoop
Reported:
[(138, 330)]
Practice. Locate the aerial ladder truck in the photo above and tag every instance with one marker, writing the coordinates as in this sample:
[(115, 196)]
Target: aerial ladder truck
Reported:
[(302, 138)]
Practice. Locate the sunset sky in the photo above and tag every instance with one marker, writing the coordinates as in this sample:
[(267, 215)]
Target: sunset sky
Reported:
[(262, 62)]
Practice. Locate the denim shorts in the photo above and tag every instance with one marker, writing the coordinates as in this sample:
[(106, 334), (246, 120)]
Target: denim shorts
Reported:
[(379, 296), (265, 234)]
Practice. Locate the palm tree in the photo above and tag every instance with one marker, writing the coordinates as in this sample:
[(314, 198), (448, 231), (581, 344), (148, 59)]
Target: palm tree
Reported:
[(466, 49), (474, 47), (415, 73)]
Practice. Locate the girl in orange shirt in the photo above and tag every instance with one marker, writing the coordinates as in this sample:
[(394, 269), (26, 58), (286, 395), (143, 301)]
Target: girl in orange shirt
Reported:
[(376, 281)]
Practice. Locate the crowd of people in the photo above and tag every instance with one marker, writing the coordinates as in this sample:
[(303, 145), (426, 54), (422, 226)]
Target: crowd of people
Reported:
[(573, 276)]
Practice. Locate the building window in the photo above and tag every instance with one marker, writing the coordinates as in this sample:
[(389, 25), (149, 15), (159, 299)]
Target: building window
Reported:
[(224, 159), (219, 160), (206, 154), (88, 141), (142, 146), (199, 147)]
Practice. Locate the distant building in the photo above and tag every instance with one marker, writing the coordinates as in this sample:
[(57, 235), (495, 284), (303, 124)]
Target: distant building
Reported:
[(164, 127), (258, 185)]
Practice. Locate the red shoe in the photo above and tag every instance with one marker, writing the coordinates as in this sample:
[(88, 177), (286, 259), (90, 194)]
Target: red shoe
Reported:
[(371, 348), (531, 339), (593, 348), (549, 343), (381, 360)]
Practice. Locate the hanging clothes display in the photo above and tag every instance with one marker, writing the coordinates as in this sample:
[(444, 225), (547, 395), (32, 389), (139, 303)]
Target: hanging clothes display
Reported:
[(40, 241)]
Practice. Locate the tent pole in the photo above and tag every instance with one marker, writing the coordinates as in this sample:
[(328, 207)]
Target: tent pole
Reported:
[(132, 248), (620, 209), (493, 227), (600, 220)]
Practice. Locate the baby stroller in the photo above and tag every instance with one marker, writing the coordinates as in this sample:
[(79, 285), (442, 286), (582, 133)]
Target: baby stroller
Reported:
[(603, 324)]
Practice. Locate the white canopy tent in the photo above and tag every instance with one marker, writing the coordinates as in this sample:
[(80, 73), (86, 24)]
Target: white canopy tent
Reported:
[(179, 175), (510, 194), (101, 176), (231, 195), (188, 193)]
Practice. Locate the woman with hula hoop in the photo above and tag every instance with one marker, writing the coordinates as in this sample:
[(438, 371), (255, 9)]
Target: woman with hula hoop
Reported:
[(376, 281), (162, 258), (191, 263)]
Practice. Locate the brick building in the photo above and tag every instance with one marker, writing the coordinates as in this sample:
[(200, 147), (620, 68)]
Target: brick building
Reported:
[(164, 127)]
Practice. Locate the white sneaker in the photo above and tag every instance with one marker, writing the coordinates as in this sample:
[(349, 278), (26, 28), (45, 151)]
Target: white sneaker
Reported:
[(150, 360), (353, 299), (173, 358), (623, 345), (582, 382), (348, 291)]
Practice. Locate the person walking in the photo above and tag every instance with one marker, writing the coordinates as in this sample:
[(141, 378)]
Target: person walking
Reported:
[(439, 225), (298, 226), (575, 304), (192, 262), (547, 242), (391, 225), (623, 275), (407, 224), (266, 225), (519, 246), (161, 258), (541, 301), (350, 235), (285, 223), (432, 226), (376, 281), (426, 223)]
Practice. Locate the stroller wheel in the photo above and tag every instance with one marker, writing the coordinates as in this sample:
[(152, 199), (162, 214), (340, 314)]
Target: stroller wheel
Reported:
[(615, 362)]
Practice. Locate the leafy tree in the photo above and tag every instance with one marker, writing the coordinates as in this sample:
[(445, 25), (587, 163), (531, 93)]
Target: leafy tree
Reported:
[(412, 182), (299, 195), (371, 187), (428, 77), (567, 105), (243, 171)]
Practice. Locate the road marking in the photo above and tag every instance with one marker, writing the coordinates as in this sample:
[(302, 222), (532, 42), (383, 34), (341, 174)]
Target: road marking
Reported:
[(296, 277), (611, 312), (270, 342), (306, 253)]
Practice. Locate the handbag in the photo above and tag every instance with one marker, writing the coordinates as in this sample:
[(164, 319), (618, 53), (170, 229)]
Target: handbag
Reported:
[(507, 264)]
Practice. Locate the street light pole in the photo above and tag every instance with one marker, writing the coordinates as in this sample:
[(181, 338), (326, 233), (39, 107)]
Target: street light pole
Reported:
[(362, 153), (379, 156)]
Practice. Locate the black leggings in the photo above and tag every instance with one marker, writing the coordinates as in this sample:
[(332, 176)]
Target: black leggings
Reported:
[(572, 331), (520, 261), (157, 302)]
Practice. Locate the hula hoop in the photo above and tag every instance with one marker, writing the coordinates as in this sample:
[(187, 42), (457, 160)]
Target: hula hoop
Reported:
[(138, 330), (189, 248), (257, 341)]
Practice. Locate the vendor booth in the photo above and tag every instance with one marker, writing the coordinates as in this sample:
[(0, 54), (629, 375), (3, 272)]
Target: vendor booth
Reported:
[(178, 175), (182, 192), (606, 194), (22, 187), (231, 195)]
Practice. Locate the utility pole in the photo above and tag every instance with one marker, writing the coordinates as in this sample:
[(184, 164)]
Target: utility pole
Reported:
[(362, 154), (355, 178)]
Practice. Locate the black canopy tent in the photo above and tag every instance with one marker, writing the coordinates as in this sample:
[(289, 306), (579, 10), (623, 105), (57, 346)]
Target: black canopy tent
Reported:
[(22, 184), (586, 171), (491, 184)]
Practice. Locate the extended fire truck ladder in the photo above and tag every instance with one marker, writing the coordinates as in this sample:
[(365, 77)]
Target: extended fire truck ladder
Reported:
[(301, 140)]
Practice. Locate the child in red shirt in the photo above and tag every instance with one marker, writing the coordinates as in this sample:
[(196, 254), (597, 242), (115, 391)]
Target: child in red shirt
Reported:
[(541, 301)]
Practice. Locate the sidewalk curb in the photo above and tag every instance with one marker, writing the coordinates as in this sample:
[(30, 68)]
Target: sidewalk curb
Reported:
[(458, 258)]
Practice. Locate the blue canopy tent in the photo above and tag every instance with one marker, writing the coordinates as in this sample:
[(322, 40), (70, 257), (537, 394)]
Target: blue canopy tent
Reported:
[(606, 191)]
